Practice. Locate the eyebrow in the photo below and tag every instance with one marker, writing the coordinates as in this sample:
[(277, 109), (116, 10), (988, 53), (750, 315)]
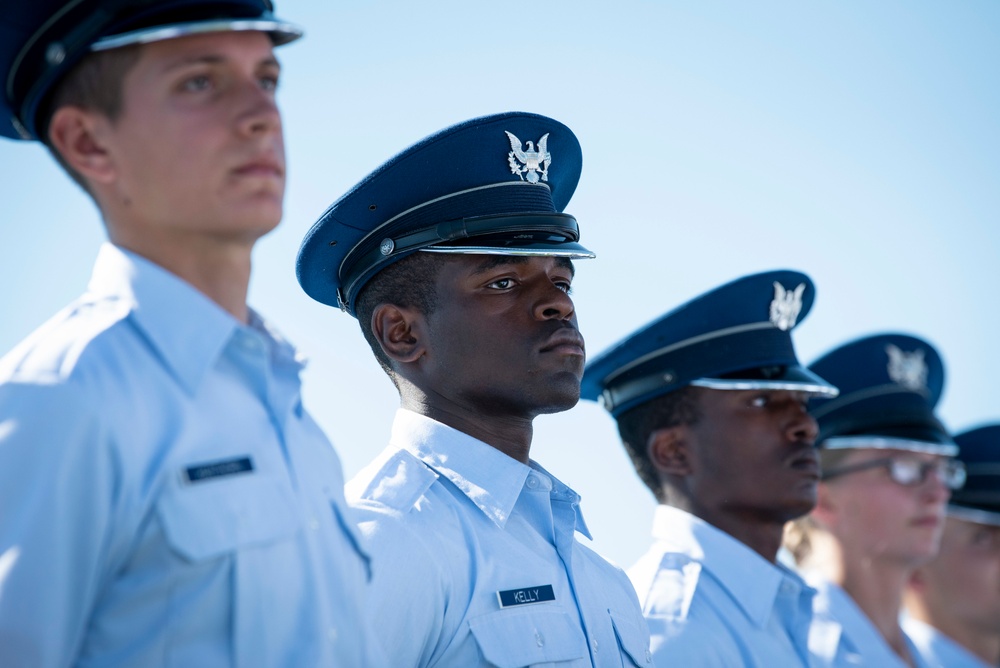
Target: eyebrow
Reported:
[(494, 261), (213, 59)]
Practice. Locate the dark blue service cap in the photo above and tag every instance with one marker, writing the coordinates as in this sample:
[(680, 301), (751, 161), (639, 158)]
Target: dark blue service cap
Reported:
[(979, 499), (889, 385), (736, 337), (41, 40), (494, 185)]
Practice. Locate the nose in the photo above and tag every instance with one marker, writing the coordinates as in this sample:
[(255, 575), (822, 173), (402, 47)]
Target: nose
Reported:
[(259, 113), (934, 489), (802, 427), (553, 303)]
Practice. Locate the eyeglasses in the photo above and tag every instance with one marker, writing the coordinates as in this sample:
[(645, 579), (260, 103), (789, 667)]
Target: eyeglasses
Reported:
[(908, 471)]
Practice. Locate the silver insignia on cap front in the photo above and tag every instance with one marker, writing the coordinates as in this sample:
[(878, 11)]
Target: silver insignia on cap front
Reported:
[(786, 305), (907, 369), (536, 163)]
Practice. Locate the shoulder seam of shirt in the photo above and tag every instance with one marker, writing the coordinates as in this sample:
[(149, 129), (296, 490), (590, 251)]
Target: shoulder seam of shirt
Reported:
[(404, 496)]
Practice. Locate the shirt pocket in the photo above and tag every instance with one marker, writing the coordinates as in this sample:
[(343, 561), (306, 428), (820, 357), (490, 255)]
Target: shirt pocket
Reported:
[(518, 638), (632, 639), (209, 519)]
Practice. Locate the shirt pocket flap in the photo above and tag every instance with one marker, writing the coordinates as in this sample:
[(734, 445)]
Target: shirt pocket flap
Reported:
[(517, 638), (633, 639), (208, 519)]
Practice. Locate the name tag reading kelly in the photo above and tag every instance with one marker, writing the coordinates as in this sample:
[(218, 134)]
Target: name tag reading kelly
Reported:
[(219, 469), (513, 597)]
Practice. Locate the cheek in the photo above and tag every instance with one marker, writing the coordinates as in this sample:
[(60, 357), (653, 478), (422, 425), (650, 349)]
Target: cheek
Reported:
[(873, 513)]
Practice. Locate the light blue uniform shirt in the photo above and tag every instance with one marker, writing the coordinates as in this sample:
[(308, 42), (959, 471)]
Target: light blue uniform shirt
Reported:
[(164, 498), (938, 650), (451, 522), (712, 601), (842, 635)]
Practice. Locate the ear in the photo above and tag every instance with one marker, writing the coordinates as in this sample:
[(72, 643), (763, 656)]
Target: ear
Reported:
[(668, 450), (78, 136), (398, 330)]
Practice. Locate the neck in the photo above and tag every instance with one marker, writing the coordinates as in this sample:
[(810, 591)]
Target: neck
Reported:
[(877, 588), (511, 436), (219, 270), (763, 537)]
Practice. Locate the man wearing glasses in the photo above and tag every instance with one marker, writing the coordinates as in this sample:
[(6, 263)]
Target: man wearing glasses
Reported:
[(888, 470), (710, 402)]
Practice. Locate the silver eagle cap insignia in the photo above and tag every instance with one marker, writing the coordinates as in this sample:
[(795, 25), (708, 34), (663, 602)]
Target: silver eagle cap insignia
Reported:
[(531, 164), (907, 369), (786, 305)]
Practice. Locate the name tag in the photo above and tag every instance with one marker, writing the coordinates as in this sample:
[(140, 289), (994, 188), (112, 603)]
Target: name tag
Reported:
[(220, 469), (525, 596)]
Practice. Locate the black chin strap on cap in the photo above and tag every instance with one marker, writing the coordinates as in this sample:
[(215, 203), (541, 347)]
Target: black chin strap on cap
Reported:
[(505, 233)]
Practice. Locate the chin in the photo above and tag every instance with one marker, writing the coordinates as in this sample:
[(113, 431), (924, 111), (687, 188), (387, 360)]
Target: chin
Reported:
[(558, 402), (797, 508)]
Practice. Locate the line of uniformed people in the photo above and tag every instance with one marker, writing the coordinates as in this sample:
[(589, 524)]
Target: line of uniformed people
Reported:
[(165, 499)]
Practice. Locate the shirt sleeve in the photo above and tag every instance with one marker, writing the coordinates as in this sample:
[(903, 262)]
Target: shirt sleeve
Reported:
[(408, 592), (57, 482)]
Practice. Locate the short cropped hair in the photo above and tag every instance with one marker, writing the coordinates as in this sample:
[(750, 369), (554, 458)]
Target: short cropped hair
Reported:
[(635, 425), (408, 283), (96, 83)]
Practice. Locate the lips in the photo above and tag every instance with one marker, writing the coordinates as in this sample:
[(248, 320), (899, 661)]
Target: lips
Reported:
[(930, 521), (567, 341), (262, 166), (806, 461)]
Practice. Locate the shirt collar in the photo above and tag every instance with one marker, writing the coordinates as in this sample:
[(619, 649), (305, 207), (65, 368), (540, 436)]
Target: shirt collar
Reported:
[(187, 329), (489, 478), (751, 580)]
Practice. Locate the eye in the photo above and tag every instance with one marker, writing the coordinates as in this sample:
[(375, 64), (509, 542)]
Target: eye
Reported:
[(564, 286), (907, 471), (501, 284), (760, 401), (269, 83), (197, 83)]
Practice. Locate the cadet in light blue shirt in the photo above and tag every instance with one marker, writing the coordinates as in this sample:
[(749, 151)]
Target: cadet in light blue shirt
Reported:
[(710, 401), (455, 258), (953, 601), (887, 473), (165, 500)]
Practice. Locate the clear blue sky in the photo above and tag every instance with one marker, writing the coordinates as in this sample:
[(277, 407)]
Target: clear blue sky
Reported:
[(857, 142)]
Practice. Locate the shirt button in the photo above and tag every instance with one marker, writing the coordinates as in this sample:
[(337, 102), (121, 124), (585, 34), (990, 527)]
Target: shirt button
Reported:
[(649, 656), (539, 640), (314, 524), (331, 634), (532, 482), (594, 644)]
